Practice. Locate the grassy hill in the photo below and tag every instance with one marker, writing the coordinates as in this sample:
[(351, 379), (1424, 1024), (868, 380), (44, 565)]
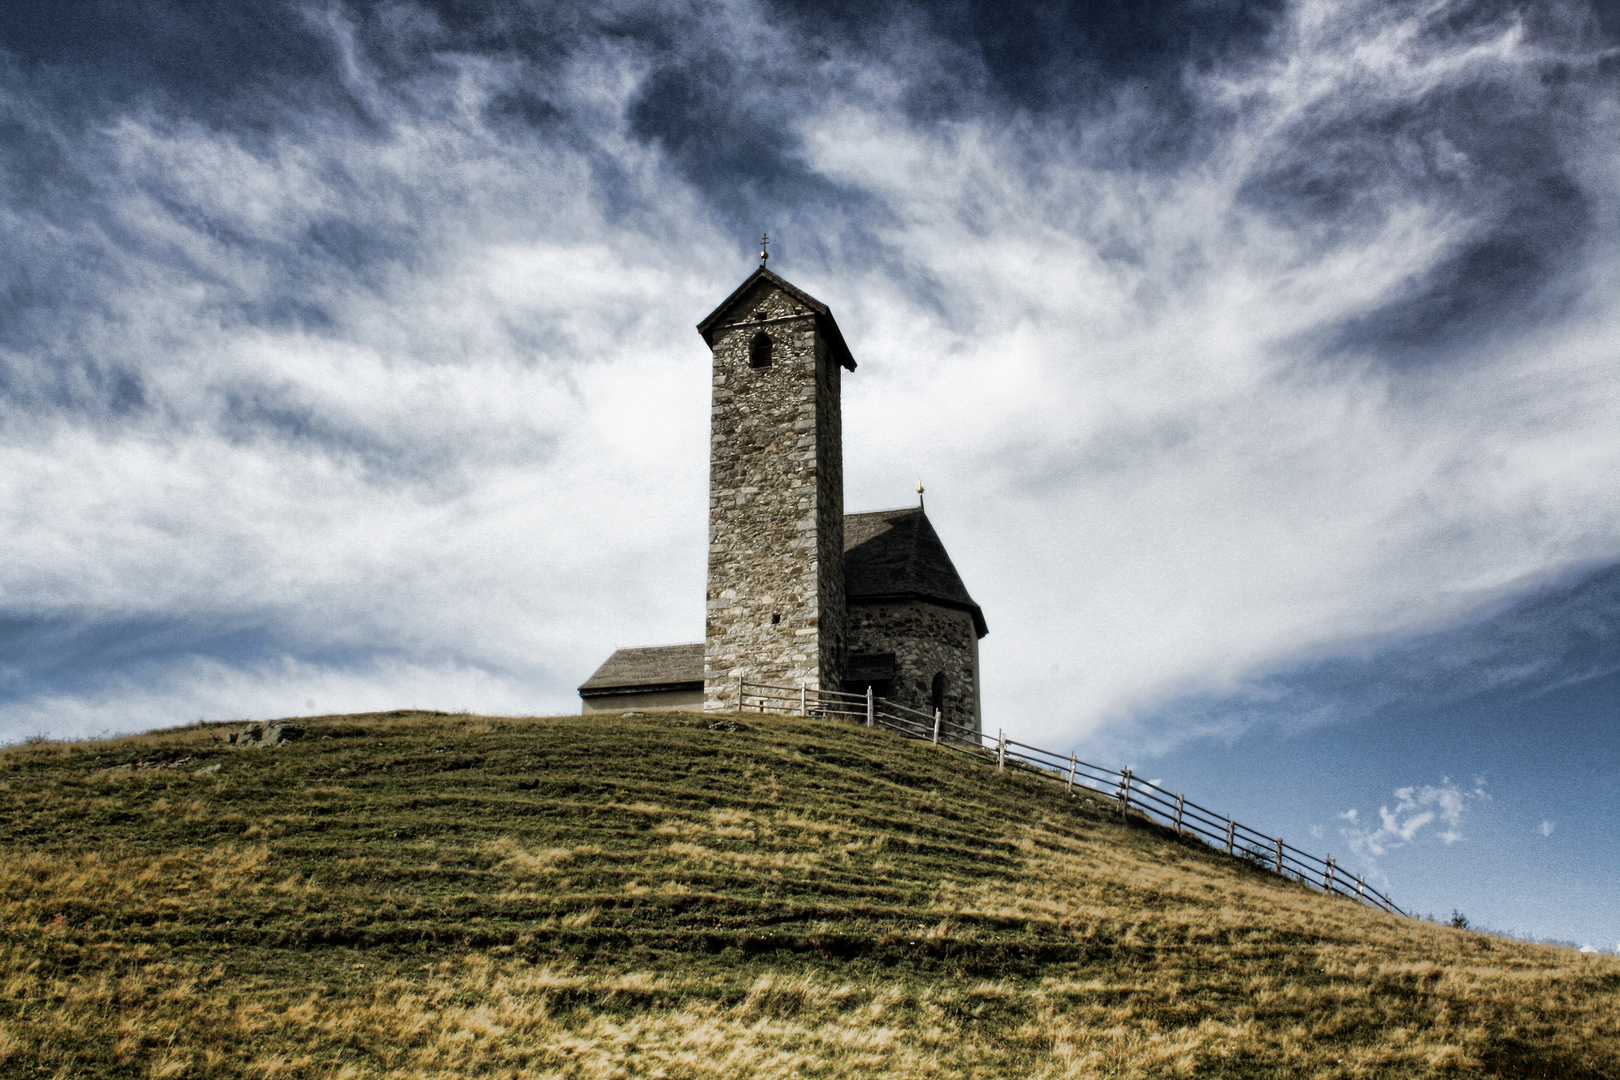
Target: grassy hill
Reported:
[(422, 895)]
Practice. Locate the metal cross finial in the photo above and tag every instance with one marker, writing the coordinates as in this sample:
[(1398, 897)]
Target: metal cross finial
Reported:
[(764, 248)]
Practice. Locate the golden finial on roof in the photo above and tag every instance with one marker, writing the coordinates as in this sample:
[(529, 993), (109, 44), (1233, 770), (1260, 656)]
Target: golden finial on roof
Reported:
[(919, 493), (764, 248)]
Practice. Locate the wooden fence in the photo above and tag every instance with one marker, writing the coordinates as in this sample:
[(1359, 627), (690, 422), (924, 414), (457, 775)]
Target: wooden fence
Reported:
[(1129, 791)]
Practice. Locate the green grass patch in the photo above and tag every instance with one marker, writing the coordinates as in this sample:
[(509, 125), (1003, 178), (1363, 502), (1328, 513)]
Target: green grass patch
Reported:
[(416, 895)]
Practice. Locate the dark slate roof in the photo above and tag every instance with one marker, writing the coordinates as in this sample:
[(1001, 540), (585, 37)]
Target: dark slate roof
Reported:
[(824, 320), (655, 667), (896, 553)]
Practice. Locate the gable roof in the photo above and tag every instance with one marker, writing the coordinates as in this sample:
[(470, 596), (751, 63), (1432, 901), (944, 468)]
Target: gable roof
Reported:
[(653, 667), (715, 321), (896, 554)]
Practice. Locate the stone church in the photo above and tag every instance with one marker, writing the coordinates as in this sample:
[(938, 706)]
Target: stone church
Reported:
[(800, 593)]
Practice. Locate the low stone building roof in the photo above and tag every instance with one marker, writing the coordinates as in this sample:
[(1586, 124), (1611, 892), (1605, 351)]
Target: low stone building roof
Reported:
[(895, 554), (650, 668)]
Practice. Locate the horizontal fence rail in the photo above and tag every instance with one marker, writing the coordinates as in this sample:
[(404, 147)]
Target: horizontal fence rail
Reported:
[(1151, 801)]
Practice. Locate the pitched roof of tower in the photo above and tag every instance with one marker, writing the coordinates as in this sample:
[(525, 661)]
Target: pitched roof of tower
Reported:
[(649, 668), (824, 319), (896, 553)]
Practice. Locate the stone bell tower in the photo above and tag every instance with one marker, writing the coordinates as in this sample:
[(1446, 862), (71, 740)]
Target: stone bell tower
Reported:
[(776, 492)]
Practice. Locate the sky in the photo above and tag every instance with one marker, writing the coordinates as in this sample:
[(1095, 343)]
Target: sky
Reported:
[(1260, 361)]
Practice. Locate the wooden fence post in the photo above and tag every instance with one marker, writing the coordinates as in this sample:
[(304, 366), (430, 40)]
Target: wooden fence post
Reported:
[(1001, 750), (1124, 791), (1231, 828), (1360, 894), (739, 693), (1327, 876), (802, 695), (1178, 813), (1279, 855), (1073, 761), (871, 710), (939, 718)]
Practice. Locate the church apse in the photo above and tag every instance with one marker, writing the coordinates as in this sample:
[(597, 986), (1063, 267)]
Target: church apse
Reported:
[(913, 628)]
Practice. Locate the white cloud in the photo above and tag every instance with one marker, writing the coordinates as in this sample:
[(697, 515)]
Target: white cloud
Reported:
[(1545, 828), (1146, 475), (1415, 809), (486, 455)]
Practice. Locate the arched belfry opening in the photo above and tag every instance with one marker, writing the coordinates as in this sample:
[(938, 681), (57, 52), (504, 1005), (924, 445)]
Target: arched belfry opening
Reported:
[(759, 350)]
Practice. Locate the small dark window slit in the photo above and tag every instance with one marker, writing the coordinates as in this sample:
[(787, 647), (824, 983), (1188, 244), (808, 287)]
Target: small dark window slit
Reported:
[(759, 350), (775, 619)]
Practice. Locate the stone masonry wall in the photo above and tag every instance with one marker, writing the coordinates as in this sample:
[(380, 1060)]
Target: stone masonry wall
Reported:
[(925, 638), (830, 516), (775, 479)]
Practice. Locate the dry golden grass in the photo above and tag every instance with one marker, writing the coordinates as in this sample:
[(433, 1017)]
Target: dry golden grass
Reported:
[(427, 896)]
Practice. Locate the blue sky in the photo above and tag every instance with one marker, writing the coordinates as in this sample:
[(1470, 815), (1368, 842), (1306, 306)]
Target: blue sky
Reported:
[(1260, 360)]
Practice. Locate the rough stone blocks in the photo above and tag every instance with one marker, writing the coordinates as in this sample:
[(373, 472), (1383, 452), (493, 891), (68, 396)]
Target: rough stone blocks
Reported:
[(928, 640), (775, 590)]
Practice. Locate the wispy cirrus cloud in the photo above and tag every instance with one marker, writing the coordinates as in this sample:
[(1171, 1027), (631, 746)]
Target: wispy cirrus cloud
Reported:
[(1225, 355)]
